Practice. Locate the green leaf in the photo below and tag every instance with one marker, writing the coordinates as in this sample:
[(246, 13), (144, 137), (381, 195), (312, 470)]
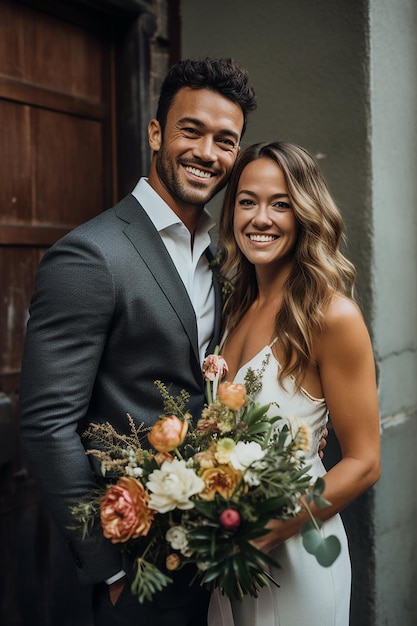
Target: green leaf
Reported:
[(328, 551), (325, 549), (319, 486), (311, 540), (320, 502)]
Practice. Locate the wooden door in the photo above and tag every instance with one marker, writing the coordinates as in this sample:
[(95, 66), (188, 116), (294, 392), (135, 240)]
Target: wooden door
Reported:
[(68, 150)]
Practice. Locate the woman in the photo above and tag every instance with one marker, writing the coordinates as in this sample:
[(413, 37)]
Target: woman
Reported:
[(291, 315)]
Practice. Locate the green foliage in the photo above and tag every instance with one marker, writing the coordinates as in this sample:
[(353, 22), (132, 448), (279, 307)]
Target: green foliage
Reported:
[(148, 580), (254, 424), (173, 405), (225, 557)]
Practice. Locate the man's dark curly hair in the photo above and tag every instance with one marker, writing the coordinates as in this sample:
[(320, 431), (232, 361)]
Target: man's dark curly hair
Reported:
[(221, 75)]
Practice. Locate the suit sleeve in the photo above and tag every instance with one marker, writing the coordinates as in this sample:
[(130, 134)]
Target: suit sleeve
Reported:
[(70, 314)]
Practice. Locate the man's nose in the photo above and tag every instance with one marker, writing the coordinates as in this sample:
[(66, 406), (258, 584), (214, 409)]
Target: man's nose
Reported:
[(206, 149)]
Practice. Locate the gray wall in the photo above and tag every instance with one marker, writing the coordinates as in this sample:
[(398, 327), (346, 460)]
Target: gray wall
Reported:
[(393, 72), (340, 79)]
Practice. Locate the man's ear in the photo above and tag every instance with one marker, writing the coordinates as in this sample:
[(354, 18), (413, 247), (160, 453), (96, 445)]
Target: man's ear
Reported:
[(154, 135)]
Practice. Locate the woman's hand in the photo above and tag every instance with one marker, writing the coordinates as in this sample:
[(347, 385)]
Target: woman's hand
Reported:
[(323, 442), (280, 531)]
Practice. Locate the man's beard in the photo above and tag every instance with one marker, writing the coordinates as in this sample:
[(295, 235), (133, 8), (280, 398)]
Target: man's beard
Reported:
[(168, 174)]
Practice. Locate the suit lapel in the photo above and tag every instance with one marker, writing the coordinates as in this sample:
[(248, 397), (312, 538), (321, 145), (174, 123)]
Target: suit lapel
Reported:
[(150, 247), (215, 340)]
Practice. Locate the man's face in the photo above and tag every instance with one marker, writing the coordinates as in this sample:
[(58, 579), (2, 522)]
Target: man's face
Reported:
[(197, 151)]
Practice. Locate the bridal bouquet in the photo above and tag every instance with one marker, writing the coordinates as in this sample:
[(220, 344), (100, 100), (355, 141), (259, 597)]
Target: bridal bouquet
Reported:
[(202, 493)]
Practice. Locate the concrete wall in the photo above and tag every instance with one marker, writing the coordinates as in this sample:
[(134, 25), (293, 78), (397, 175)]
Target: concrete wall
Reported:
[(340, 78), (308, 64), (393, 72)]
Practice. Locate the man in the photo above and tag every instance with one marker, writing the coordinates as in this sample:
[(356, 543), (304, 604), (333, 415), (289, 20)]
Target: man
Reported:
[(121, 301)]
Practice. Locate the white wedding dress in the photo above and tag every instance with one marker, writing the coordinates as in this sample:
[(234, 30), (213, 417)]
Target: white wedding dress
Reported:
[(309, 594)]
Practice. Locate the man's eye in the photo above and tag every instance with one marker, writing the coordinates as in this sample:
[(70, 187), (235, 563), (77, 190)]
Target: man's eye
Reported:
[(227, 143), (190, 131)]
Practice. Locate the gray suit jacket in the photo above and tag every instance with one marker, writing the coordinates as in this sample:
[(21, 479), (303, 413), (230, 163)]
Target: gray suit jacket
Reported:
[(109, 316)]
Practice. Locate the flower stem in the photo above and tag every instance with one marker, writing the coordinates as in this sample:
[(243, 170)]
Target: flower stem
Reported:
[(178, 454), (208, 393)]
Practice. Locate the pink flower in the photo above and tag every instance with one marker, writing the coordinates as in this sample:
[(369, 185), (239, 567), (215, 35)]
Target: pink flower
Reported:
[(214, 365), (124, 511), (168, 433), (230, 518), (161, 457), (232, 395)]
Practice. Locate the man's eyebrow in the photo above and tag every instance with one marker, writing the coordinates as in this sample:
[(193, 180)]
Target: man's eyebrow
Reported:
[(200, 124)]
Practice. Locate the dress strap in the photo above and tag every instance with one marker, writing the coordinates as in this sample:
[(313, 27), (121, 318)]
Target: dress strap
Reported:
[(273, 342)]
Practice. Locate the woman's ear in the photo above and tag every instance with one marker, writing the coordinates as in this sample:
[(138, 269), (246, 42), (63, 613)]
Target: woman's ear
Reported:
[(154, 135)]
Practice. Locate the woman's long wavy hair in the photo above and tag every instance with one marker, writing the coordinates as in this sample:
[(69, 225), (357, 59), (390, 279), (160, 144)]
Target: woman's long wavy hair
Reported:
[(319, 268)]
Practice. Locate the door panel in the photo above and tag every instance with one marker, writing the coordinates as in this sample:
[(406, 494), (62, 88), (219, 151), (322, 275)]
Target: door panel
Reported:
[(60, 65), (67, 168)]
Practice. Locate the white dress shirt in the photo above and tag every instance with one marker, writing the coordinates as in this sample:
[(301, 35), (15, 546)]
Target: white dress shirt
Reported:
[(190, 260)]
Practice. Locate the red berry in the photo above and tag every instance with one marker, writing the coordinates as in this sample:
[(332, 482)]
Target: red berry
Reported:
[(230, 518)]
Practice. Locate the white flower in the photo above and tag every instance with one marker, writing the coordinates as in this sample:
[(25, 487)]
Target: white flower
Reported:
[(251, 478), (133, 470), (177, 537), (245, 454), (172, 487)]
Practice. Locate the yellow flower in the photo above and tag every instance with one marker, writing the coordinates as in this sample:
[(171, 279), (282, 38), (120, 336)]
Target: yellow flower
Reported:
[(168, 433), (222, 480), (233, 395), (302, 440), (224, 449)]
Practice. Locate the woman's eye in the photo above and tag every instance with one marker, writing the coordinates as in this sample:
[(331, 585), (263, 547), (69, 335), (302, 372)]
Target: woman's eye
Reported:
[(246, 202), (282, 205)]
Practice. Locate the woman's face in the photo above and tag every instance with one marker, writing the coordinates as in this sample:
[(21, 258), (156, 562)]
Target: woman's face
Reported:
[(265, 227)]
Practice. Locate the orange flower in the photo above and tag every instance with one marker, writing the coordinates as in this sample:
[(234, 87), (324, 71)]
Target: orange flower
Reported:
[(222, 480), (168, 433), (233, 395), (124, 511), (172, 562)]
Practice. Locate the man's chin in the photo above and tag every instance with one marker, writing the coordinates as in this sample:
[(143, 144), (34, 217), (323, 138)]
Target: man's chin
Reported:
[(196, 198), (200, 194)]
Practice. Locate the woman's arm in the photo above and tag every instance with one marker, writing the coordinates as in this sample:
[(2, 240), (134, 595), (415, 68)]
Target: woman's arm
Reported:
[(347, 372)]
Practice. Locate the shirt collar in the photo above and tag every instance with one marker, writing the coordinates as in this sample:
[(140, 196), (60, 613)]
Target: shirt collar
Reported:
[(159, 212)]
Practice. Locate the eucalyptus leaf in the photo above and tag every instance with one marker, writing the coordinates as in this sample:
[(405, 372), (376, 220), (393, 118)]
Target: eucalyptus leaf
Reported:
[(328, 551), (312, 540)]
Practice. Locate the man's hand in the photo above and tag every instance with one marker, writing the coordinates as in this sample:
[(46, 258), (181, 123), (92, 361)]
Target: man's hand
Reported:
[(116, 588), (323, 442)]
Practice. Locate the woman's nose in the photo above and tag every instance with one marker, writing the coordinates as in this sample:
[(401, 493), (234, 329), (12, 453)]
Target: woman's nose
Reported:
[(261, 219)]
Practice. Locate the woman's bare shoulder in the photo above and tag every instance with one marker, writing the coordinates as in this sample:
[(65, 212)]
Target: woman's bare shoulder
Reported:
[(342, 310)]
